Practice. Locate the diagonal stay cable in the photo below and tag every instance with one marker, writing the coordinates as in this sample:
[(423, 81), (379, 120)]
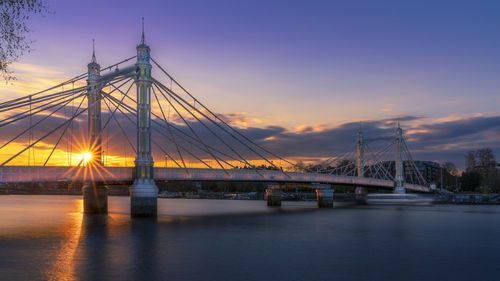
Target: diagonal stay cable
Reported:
[(41, 120), (182, 134), (419, 175), (77, 78), (218, 118), (45, 99), (131, 110), (119, 125), (42, 138), (110, 99), (70, 81), (170, 130), (196, 135), (112, 114), (62, 134), (208, 128), (33, 111), (173, 95)]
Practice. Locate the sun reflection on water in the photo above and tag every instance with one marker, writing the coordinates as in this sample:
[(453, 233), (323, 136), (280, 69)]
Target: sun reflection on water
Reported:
[(63, 267)]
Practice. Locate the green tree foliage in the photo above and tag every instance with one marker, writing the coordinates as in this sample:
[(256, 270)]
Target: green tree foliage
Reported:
[(450, 176), (471, 180), (14, 18), (481, 162)]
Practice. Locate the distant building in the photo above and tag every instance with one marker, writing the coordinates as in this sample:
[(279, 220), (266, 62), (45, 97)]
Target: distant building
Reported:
[(429, 170)]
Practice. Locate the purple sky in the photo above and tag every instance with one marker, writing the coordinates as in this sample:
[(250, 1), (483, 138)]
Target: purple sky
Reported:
[(308, 67)]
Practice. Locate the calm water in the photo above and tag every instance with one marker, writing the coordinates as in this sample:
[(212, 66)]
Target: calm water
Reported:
[(48, 238)]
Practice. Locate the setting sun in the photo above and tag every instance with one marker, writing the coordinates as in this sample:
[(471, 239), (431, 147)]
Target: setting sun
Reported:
[(86, 157)]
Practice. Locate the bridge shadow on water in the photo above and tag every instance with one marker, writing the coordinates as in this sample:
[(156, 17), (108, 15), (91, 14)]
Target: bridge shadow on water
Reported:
[(112, 248), (118, 247)]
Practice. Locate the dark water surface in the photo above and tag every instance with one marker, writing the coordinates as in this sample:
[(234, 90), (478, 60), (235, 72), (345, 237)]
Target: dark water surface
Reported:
[(48, 238)]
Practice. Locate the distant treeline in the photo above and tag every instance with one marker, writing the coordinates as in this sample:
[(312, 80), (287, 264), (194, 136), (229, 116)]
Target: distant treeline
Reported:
[(481, 173)]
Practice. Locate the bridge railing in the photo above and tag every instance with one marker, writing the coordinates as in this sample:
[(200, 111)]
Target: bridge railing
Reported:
[(61, 173)]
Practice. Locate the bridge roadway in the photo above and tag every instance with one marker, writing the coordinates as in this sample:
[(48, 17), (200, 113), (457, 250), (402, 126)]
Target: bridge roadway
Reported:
[(18, 174)]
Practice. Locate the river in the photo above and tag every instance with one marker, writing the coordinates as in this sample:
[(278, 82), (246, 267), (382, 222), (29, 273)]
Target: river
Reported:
[(48, 238)]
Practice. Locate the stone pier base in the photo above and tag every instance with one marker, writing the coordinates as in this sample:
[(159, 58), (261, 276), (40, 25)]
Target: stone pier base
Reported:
[(144, 199), (325, 198), (143, 206), (95, 198), (399, 189), (360, 194), (273, 195)]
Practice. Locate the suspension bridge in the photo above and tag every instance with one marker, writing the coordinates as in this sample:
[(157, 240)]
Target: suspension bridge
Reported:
[(82, 130)]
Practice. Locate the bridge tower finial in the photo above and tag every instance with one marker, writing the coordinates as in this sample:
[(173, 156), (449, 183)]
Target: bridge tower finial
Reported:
[(142, 38), (93, 51)]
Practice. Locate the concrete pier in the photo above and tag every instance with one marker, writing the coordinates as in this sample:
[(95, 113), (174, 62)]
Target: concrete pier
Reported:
[(144, 199), (273, 195), (360, 194), (324, 195), (143, 206), (95, 198)]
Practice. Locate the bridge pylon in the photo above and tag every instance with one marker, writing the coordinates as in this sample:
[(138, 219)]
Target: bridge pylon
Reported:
[(360, 163), (143, 193), (399, 181), (95, 194)]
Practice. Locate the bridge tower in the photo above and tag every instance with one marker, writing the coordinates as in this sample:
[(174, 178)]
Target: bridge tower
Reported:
[(399, 178), (143, 193), (360, 164), (95, 194)]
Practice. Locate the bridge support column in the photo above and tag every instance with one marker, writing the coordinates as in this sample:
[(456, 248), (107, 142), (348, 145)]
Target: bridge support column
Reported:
[(399, 180), (360, 194), (95, 194), (273, 195), (143, 193), (95, 198), (324, 195), (144, 201), (360, 191)]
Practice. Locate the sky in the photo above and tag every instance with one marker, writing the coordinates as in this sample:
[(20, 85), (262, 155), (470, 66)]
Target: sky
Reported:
[(299, 76)]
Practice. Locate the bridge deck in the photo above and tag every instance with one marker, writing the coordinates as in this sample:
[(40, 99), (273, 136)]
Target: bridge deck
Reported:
[(61, 173)]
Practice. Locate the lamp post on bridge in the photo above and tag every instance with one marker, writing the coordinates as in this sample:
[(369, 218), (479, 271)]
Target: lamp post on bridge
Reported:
[(143, 193)]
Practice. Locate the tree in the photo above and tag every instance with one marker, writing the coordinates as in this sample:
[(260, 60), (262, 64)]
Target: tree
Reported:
[(481, 162), (300, 166), (449, 176), (470, 160), (471, 180), (14, 17), (450, 168), (485, 159)]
